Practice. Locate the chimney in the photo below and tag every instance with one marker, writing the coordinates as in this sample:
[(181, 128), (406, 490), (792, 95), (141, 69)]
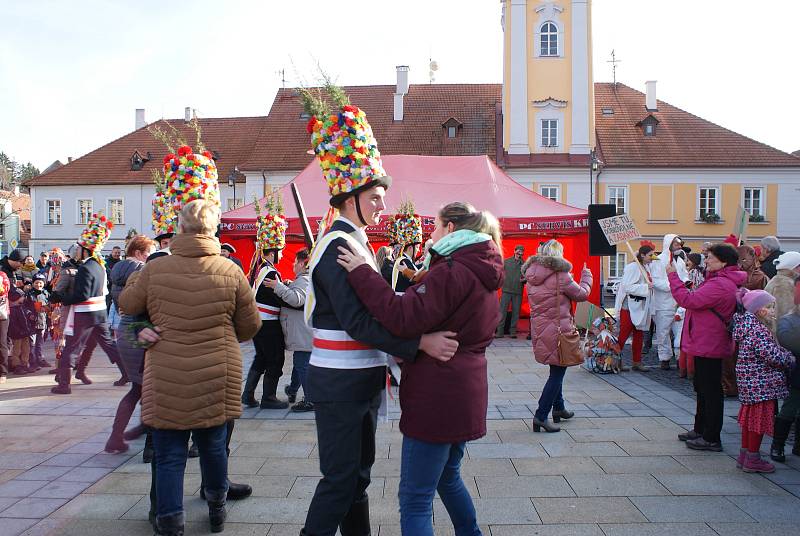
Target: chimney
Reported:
[(187, 114), (650, 100), (140, 122), (69, 160), (402, 89)]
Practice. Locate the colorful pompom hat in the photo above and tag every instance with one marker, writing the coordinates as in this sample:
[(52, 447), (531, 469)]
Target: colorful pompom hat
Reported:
[(96, 234), (271, 223), (407, 225), (164, 216), (391, 231), (190, 176)]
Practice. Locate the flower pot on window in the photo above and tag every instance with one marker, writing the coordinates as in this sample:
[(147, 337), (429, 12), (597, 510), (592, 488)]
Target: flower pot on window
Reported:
[(711, 217), (756, 218)]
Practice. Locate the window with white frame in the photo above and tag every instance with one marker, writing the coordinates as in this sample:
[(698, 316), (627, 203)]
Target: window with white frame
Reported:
[(116, 211), (617, 195), (549, 132), (548, 39), (616, 265), (53, 216), (708, 201), (234, 203), (754, 202), (550, 192), (84, 211)]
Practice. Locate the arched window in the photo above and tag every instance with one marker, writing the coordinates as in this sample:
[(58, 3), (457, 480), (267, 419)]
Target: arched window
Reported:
[(548, 39)]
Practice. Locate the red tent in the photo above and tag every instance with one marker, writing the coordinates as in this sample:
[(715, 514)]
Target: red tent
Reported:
[(526, 218)]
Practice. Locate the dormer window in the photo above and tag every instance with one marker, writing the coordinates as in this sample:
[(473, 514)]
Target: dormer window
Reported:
[(648, 125), (451, 127), (608, 111), (138, 161)]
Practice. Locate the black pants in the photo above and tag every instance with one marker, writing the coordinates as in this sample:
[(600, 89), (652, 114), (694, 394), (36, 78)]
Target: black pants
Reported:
[(708, 386), (269, 347), (83, 333), (346, 439), (4, 347)]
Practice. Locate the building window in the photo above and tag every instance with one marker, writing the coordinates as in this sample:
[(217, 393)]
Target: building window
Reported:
[(550, 192), (617, 195), (616, 265), (234, 203), (708, 203), (116, 211), (649, 130), (451, 132), (549, 132), (548, 39), (754, 202), (53, 212), (84, 211)]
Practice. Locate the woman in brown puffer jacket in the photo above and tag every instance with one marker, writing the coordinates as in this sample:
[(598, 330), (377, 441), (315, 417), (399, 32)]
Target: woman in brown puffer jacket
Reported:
[(203, 308)]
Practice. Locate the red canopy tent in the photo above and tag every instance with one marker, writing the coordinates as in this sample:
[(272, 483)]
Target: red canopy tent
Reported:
[(526, 217)]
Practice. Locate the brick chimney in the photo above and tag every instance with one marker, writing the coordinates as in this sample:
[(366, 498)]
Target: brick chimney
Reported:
[(140, 122), (400, 91), (187, 114), (650, 100)]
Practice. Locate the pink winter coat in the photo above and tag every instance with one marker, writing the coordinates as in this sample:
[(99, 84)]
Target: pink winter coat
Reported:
[(544, 274)]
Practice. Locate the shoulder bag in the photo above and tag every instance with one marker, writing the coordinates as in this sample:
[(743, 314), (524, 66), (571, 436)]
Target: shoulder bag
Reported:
[(569, 344)]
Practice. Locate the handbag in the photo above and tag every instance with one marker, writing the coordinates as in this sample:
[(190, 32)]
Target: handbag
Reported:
[(569, 344)]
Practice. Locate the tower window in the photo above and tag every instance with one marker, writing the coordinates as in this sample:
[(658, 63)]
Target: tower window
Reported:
[(549, 132), (548, 39)]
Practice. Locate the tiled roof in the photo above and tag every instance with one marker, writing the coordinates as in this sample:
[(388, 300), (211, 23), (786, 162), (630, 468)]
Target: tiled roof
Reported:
[(681, 139), (284, 141), (231, 138)]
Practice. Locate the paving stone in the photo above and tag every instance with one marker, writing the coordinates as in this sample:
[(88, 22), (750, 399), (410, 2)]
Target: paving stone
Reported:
[(61, 490), (488, 467), (640, 464), (766, 509), (443, 528), (587, 510), (615, 485), (577, 529), (67, 460), (661, 448), (719, 484), (583, 449), (568, 465), (689, 509), (25, 460), (127, 484), (600, 434), (709, 464), (13, 527), (31, 508), (511, 511), (85, 474), (276, 510), (5, 502), (781, 477), (195, 509), (754, 529), (274, 450), (505, 450), (43, 473), (657, 529), (21, 488), (523, 486), (104, 506)]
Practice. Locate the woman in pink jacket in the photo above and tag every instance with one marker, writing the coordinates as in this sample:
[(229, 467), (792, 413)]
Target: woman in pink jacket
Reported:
[(551, 291)]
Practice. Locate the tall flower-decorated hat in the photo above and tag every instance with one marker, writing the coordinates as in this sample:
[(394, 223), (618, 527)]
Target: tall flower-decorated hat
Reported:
[(391, 231), (271, 222), (407, 225), (164, 217), (96, 234)]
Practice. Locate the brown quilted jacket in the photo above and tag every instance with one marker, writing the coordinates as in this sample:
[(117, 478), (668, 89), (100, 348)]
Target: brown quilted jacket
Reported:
[(204, 307)]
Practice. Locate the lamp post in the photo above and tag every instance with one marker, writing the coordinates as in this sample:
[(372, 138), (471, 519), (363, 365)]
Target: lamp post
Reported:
[(232, 183)]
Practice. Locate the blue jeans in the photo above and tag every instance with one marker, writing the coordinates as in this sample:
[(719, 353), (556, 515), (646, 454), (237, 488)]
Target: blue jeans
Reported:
[(171, 450), (425, 469), (551, 393), (38, 342), (299, 367)]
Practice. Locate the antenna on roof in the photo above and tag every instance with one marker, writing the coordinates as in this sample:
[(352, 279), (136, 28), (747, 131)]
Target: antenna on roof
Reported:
[(282, 72), (614, 61)]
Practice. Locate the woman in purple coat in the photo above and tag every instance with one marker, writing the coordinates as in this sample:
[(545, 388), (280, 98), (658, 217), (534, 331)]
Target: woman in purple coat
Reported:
[(551, 291), (444, 403)]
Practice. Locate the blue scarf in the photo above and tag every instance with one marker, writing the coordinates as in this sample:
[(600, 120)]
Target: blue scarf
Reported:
[(453, 242)]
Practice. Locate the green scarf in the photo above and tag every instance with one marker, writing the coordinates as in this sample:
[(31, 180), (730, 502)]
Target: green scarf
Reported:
[(455, 241)]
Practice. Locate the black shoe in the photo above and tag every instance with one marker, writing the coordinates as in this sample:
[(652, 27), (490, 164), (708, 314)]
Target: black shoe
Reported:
[(216, 516), (702, 444), (688, 436), (665, 365), (272, 402), (549, 428), (248, 393), (291, 395), (562, 414), (194, 452), (782, 428), (147, 453), (356, 521), (302, 407), (236, 492), (249, 400)]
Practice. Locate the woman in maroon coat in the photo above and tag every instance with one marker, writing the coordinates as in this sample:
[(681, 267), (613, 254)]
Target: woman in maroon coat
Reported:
[(551, 291), (444, 403)]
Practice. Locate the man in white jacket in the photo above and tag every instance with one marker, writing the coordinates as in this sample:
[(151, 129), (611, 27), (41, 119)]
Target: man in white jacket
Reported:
[(663, 305)]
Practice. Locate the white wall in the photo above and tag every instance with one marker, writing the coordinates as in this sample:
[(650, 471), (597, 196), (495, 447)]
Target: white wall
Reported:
[(255, 182)]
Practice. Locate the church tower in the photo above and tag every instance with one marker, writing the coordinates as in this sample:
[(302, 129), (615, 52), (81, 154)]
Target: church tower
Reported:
[(548, 90)]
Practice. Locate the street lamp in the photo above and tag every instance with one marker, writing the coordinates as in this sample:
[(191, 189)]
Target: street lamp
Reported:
[(232, 183), (594, 167)]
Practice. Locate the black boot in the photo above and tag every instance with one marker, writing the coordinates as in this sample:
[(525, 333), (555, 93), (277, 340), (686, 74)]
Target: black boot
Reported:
[(216, 511), (171, 525), (248, 394), (782, 427), (147, 453), (269, 400), (63, 377), (356, 521), (796, 448), (236, 492)]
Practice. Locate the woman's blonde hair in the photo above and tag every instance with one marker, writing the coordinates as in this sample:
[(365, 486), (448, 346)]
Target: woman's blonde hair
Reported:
[(552, 248), (464, 216), (381, 255), (199, 217)]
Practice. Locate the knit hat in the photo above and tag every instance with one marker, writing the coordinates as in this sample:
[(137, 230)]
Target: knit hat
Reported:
[(271, 223), (407, 225), (96, 233), (15, 255), (787, 261), (754, 300)]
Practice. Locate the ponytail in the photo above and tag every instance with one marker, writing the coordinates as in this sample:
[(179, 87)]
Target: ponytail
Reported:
[(464, 216)]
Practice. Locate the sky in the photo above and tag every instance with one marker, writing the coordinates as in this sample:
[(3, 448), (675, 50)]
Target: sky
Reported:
[(73, 73)]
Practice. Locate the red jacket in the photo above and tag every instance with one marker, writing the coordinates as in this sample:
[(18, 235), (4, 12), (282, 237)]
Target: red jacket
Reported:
[(442, 402)]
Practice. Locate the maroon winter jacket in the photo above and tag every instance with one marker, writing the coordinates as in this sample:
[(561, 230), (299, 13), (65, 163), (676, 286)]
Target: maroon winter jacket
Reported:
[(442, 402)]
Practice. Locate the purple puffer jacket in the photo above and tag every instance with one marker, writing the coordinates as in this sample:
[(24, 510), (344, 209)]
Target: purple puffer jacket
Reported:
[(544, 275), (761, 363), (704, 333)]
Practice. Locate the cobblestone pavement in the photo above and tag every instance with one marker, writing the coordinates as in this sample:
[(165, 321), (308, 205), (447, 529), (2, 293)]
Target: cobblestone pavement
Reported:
[(616, 469)]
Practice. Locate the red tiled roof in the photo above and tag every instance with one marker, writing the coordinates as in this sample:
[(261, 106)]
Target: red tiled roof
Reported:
[(232, 138), (681, 139), (284, 141)]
